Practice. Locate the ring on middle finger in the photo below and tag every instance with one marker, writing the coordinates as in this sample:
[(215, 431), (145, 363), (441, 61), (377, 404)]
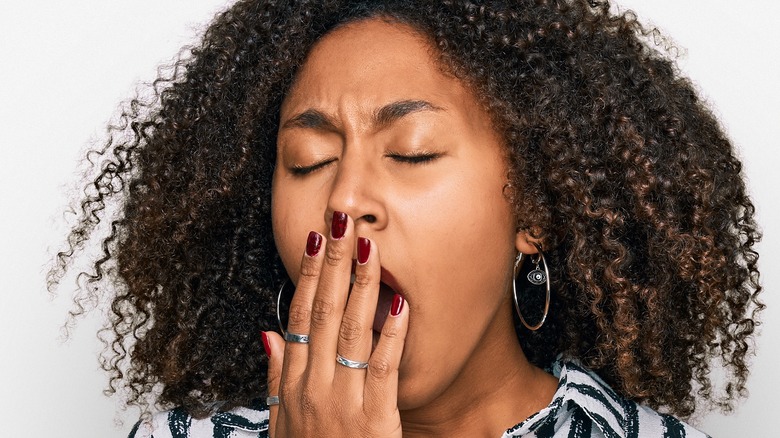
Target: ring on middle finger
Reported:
[(297, 338), (350, 363)]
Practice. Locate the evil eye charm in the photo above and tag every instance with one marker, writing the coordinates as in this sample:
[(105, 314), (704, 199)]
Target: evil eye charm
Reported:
[(537, 277)]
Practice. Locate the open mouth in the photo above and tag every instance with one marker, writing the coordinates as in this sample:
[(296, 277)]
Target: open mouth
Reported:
[(383, 304), (388, 287)]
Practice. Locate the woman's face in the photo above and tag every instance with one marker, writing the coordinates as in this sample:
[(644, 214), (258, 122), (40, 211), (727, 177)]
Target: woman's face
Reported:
[(374, 128)]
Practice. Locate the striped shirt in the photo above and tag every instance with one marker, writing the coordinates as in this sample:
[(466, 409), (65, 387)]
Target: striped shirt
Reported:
[(583, 406)]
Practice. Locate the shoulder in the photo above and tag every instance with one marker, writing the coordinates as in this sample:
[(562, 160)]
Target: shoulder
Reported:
[(177, 423), (616, 416), (585, 406)]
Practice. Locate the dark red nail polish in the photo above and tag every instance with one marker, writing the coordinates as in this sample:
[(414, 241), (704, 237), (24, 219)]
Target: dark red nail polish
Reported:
[(266, 345), (364, 249), (398, 305), (339, 225), (313, 243)]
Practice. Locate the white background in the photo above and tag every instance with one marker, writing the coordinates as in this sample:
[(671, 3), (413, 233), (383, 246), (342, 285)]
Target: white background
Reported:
[(65, 66)]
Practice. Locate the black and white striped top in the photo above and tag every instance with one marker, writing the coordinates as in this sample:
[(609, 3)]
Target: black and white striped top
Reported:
[(583, 406)]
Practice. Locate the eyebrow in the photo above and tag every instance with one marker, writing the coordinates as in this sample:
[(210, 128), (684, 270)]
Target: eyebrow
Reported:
[(383, 117)]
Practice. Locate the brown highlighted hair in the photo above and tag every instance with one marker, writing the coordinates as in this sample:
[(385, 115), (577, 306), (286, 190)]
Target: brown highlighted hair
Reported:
[(616, 164)]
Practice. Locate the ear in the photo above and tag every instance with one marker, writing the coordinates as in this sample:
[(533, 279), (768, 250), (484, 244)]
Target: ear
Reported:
[(524, 243)]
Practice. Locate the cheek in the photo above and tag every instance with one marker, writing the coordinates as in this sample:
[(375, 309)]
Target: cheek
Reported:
[(474, 256), (464, 243), (466, 228), (292, 218)]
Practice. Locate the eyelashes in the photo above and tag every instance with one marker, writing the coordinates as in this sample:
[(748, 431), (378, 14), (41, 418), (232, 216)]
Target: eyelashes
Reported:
[(410, 159), (416, 158), (298, 170)]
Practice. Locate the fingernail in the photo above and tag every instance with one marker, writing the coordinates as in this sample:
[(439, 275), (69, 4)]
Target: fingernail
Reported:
[(398, 305), (266, 345), (339, 225), (364, 249), (313, 243)]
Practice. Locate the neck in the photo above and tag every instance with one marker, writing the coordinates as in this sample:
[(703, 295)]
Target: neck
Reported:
[(495, 390)]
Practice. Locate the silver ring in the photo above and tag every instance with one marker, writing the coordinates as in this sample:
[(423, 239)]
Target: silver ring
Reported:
[(272, 400), (351, 363), (293, 337)]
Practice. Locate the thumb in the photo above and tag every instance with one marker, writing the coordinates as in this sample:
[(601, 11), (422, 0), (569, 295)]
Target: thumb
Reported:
[(274, 348)]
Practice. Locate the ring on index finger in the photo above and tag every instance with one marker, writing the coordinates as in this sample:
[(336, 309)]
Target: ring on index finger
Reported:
[(297, 338)]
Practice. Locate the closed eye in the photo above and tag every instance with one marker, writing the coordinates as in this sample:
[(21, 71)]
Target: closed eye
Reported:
[(420, 158), (298, 170)]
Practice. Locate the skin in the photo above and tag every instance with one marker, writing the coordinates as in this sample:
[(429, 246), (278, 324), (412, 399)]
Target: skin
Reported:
[(425, 183)]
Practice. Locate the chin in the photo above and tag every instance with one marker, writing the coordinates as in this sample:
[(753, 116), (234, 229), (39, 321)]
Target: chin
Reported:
[(408, 402), (416, 391)]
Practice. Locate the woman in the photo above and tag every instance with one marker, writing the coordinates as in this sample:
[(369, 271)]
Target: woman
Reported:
[(497, 220)]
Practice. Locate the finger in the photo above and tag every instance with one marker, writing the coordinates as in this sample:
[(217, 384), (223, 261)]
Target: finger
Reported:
[(295, 353), (381, 390), (356, 331), (330, 299), (274, 344)]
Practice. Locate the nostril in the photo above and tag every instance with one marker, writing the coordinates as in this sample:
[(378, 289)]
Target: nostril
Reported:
[(370, 218)]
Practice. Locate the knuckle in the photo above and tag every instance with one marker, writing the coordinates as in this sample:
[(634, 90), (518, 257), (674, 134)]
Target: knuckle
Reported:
[(390, 332), (299, 314), (351, 330), (335, 253), (309, 269), (322, 311), (362, 280), (379, 367)]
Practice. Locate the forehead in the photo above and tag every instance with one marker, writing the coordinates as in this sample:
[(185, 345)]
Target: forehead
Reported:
[(371, 62)]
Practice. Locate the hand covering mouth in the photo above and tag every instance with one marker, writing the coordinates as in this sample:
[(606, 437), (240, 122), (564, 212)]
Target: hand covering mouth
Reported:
[(388, 287)]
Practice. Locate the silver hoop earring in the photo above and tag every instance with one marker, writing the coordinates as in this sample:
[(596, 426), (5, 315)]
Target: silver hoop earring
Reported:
[(288, 298), (536, 277)]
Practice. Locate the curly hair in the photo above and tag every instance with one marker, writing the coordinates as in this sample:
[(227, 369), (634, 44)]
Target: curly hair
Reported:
[(616, 165)]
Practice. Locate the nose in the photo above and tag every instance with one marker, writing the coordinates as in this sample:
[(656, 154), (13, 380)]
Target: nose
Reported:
[(357, 190)]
